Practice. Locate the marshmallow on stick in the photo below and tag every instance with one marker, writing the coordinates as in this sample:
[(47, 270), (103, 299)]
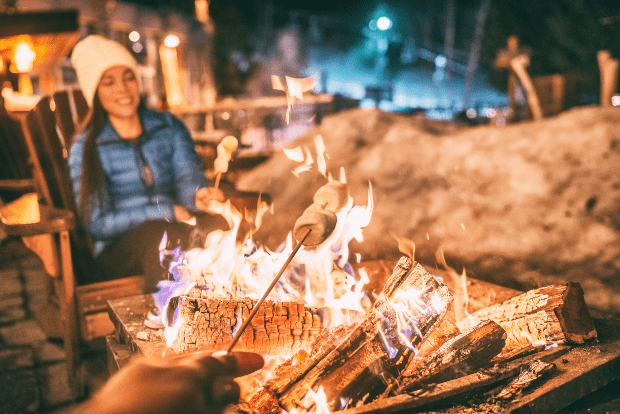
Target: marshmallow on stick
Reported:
[(225, 149)]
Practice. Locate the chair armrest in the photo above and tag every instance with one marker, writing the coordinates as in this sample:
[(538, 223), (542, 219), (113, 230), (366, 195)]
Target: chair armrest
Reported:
[(17, 185), (53, 220)]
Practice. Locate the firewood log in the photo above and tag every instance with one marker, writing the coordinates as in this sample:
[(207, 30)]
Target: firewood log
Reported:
[(555, 313), (461, 355), (445, 331), (279, 328), (355, 365)]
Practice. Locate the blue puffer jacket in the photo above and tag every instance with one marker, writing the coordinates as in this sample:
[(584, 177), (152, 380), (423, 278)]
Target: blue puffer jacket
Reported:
[(167, 149)]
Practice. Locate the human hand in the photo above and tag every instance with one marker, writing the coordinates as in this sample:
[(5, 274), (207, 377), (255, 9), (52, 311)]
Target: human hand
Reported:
[(192, 383), (205, 195)]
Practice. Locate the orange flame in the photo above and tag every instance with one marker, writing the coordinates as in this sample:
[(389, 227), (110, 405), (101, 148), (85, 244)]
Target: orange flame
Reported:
[(295, 88), (234, 266), (464, 320)]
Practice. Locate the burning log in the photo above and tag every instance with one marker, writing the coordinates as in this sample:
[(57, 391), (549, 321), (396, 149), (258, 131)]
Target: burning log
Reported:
[(455, 389), (279, 328), (552, 314), (432, 342), (353, 365), (460, 355)]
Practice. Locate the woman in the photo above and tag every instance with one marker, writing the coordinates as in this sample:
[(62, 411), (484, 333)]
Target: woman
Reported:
[(135, 172)]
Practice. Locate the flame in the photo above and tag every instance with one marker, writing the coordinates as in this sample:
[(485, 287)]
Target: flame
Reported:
[(232, 265), (295, 88), (405, 246), (314, 403), (321, 165), (408, 309), (464, 320), (530, 338), (300, 155)]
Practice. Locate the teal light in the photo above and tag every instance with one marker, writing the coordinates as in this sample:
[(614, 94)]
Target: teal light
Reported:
[(384, 23)]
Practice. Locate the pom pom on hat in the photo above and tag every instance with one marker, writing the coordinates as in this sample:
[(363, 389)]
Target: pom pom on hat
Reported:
[(94, 55)]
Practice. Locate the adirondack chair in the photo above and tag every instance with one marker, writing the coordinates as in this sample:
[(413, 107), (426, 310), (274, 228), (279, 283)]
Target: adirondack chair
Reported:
[(83, 308)]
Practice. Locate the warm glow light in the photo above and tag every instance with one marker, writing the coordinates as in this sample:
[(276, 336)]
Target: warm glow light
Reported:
[(172, 41), (134, 36), (24, 57), (615, 100), (384, 23)]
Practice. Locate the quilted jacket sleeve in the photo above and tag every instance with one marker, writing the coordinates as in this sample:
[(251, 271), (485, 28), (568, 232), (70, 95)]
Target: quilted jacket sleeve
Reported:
[(188, 170), (104, 222)]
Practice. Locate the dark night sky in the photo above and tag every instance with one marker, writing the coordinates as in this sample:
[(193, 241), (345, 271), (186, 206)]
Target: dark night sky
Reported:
[(562, 34)]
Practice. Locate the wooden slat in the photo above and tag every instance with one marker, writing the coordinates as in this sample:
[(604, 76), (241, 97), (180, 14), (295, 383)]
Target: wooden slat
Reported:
[(81, 106), (93, 297), (41, 123), (64, 115)]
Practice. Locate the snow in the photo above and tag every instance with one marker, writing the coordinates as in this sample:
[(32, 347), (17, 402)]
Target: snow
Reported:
[(531, 204)]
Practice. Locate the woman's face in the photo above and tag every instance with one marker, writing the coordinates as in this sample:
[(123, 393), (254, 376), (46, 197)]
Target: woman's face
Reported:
[(118, 92)]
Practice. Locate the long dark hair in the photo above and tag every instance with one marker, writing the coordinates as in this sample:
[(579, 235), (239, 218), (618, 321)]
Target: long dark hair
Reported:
[(93, 181)]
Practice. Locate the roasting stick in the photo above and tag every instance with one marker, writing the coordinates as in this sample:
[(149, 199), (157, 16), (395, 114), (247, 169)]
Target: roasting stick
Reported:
[(261, 300), (223, 388), (217, 179)]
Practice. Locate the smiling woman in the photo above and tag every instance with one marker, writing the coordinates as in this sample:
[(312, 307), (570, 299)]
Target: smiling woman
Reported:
[(135, 172), (119, 94)]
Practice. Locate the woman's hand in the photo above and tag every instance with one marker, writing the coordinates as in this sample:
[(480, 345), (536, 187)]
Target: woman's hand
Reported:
[(192, 383), (182, 215), (205, 195)]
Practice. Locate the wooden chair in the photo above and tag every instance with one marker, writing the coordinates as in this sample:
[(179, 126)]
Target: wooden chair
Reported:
[(83, 308)]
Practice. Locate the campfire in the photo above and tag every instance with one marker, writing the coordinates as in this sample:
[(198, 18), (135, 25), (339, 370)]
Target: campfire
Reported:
[(330, 346)]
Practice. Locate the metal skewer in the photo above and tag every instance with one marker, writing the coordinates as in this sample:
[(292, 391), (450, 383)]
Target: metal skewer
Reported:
[(261, 300)]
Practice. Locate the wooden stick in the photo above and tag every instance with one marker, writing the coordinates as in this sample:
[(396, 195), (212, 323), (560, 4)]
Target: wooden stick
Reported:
[(217, 179), (261, 300), (518, 65)]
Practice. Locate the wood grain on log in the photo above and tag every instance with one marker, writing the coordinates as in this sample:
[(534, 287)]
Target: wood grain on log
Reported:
[(356, 365), (551, 314), (461, 355), (445, 330), (279, 328)]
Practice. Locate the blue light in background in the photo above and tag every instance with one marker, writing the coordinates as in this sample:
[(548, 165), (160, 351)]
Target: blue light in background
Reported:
[(384, 23)]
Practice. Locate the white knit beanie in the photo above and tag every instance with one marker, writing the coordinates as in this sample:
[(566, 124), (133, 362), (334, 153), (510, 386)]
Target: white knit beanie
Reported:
[(94, 55)]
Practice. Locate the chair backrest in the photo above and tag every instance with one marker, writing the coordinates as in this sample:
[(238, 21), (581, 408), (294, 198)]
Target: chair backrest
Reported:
[(49, 151), (71, 109), (15, 171)]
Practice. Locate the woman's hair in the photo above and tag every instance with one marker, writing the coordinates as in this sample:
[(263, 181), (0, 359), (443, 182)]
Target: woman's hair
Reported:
[(93, 181)]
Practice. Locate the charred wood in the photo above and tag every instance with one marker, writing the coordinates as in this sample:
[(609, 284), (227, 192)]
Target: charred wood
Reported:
[(461, 355), (444, 332), (279, 328), (534, 371), (453, 390), (555, 313), (344, 368)]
